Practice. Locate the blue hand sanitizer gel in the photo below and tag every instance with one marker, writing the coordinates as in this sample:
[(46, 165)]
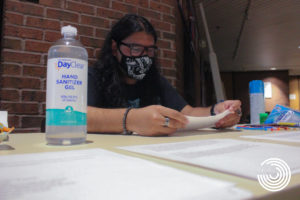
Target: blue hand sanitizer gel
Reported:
[(66, 101)]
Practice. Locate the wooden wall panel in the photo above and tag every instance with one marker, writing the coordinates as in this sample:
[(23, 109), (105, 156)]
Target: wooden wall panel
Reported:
[(294, 85)]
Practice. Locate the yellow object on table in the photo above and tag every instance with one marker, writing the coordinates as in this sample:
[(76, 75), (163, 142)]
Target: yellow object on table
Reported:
[(4, 131)]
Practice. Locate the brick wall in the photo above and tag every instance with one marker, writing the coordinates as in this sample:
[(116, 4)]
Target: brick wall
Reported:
[(30, 28)]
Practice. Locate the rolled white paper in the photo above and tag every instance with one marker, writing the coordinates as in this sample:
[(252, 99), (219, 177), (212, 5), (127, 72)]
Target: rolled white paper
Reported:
[(204, 122)]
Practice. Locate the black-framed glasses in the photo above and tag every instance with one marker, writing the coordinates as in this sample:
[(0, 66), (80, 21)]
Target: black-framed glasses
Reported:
[(139, 50)]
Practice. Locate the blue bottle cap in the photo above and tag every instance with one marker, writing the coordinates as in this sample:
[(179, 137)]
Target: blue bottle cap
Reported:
[(256, 86)]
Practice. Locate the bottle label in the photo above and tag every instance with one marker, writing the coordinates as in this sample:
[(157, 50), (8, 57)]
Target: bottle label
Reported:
[(257, 106), (66, 92)]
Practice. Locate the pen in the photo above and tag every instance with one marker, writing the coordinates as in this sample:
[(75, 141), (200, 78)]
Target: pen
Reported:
[(289, 124), (252, 128)]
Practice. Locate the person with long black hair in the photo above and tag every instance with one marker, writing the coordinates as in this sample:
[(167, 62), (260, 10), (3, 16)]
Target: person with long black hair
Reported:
[(126, 92)]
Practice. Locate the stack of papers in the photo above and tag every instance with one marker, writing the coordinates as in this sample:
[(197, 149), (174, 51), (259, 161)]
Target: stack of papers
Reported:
[(100, 174), (236, 157), (286, 136)]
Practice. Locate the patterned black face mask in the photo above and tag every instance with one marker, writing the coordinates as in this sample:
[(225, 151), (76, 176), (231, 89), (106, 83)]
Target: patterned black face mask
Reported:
[(136, 67)]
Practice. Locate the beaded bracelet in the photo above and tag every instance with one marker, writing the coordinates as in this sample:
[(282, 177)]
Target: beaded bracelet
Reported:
[(212, 110), (125, 131)]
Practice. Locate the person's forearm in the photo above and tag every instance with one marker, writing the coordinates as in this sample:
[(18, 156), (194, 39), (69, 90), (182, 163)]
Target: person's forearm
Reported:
[(105, 120), (147, 121), (196, 111)]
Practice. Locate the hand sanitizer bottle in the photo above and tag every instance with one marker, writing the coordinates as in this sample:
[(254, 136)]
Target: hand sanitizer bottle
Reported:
[(66, 99)]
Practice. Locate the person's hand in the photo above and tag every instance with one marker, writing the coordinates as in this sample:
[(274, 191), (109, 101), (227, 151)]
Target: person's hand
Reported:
[(151, 120), (235, 107)]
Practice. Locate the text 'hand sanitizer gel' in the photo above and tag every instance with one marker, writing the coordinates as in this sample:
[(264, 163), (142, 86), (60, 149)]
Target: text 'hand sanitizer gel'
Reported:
[(66, 101)]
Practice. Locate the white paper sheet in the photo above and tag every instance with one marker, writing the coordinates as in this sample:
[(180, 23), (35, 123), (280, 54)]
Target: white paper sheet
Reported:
[(3, 118), (232, 156), (204, 122), (287, 136), (100, 174)]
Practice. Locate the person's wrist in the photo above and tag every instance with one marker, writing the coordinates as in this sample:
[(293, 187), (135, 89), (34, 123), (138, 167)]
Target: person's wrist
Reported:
[(213, 110)]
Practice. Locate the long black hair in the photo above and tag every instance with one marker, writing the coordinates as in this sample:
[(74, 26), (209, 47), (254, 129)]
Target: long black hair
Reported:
[(107, 68)]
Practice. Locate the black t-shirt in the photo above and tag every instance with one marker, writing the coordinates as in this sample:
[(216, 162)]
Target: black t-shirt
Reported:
[(168, 98)]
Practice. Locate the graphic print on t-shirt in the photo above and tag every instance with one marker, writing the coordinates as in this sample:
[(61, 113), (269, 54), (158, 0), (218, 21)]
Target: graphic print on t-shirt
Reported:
[(134, 103)]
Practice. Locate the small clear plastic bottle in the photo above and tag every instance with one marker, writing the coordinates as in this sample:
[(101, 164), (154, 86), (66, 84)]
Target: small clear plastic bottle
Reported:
[(66, 101)]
